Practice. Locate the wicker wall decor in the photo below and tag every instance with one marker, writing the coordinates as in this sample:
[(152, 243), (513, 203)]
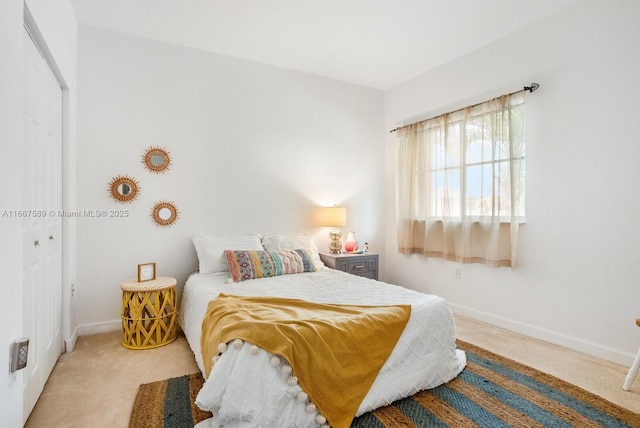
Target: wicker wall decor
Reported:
[(164, 213), (124, 188), (156, 159)]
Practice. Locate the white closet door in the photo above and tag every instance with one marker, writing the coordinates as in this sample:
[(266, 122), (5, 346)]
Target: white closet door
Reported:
[(42, 258)]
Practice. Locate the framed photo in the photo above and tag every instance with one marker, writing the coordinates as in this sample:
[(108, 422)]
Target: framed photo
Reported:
[(146, 272)]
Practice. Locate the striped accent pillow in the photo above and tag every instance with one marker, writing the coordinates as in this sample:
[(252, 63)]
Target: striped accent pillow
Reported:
[(251, 264)]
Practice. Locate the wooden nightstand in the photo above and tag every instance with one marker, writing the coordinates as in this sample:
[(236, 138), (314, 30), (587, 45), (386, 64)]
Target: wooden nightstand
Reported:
[(365, 264), (149, 312)]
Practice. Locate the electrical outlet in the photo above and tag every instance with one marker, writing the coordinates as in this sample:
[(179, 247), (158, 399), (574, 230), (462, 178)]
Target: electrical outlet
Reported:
[(459, 272)]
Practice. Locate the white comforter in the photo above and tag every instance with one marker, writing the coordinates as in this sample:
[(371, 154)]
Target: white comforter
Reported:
[(244, 388)]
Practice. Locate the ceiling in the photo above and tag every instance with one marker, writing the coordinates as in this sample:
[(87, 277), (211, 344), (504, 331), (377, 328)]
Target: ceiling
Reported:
[(374, 43)]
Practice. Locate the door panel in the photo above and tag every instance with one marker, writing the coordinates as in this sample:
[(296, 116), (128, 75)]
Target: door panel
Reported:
[(42, 226)]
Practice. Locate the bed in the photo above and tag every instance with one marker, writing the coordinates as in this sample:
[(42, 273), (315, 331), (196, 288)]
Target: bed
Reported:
[(248, 386)]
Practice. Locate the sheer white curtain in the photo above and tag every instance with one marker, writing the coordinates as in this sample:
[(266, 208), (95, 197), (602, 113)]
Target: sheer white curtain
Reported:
[(460, 182)]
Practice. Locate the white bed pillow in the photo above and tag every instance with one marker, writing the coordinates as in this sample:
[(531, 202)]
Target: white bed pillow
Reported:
[(294, 242), (210, 249)]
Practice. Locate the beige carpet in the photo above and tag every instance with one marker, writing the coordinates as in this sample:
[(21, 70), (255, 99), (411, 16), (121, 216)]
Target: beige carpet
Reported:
[(96, 384)]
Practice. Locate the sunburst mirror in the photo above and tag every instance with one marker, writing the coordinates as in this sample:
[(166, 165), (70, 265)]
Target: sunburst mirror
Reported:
[(124, 188), (164, 213), (156, 159)]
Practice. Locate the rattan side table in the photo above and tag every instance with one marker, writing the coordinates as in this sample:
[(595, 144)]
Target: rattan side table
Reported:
[(149, 313)]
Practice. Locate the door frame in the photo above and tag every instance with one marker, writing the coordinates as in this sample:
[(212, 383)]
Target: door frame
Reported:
[(69, 327), (68, 176)]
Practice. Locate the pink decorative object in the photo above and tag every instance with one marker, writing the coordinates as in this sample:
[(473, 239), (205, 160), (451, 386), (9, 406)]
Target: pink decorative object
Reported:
[(351, 244)]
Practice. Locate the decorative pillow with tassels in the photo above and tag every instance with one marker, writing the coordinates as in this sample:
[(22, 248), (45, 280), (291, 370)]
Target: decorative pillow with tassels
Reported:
[(250, 264)]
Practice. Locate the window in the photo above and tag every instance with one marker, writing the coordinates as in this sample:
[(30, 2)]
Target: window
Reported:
[(461, 181)]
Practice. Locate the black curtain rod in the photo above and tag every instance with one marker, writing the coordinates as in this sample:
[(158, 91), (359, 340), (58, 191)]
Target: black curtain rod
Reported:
[(531, 88)]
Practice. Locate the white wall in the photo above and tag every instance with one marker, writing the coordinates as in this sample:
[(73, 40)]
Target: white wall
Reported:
[(255, 149), (54, 21), (576, 281)]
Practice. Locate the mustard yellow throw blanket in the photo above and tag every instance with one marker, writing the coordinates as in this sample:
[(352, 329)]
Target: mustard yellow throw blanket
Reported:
[(336, 351)]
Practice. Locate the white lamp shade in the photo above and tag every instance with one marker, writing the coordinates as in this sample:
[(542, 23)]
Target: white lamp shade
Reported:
[(334, 216)]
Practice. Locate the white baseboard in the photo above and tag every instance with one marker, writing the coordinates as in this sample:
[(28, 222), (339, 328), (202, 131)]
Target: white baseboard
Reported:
[(70, 342), (101, 327), (547, 335)]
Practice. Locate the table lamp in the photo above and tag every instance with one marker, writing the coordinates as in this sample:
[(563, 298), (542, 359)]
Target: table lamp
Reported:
[(335, 217)]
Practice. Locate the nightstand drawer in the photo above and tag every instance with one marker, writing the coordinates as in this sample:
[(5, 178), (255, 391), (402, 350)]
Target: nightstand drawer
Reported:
[(365, 265)]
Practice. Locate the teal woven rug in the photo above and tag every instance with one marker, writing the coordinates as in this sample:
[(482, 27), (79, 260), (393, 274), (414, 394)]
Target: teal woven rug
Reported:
[(491, 392)]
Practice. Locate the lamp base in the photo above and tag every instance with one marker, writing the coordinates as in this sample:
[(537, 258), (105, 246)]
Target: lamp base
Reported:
[(335, 246)]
